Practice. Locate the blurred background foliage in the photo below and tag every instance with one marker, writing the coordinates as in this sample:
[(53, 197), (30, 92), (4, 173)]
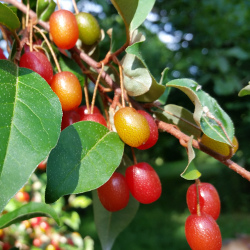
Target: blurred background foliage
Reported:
[(209, 42)]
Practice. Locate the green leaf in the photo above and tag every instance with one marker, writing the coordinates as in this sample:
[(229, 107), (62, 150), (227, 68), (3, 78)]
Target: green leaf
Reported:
[(109, 225), (126, 9), (8, 18), (180, 117), (85, 157), (81, 201), (190, 172), (208, 114), (245, 91), (30, 125), (143, 9), (146, 89), (71, 219), (44, 9), (137, 79), (28, 211), (67, 64)]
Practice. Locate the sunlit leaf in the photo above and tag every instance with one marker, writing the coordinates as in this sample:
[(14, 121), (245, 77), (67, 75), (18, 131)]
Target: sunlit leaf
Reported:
[(28, 211), (85, 157), (44, 9), (145, 91), (29, 126), (180, 117), (208, 114), (190, 172), (245, 91)]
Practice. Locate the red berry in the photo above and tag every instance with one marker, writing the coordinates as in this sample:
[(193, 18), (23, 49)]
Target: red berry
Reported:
[(42, 165), (208, 198), (68, 89), (39, 63), (2, 56), (22, 196), (6, 246), (143, 182), (153, 137), (82, 110), (44, 226), (37, 242), (114, 194), (202, 232), (35, 221), (64, 29), (95, 118), (69, 117)]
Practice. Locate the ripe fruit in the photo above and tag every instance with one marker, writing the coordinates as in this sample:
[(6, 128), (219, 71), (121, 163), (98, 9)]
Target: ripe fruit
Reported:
[(209, 199), (64, 29), (22, 196), (42, 165), (131, 126), (95, 118), (39, 63), (114, 194), (143, 182), (219, 147), (44, 226), (82, 110), (202, 232), (153, 138), (89, 30), (2, 56), (37, 242), (68, 89), (69, 117)]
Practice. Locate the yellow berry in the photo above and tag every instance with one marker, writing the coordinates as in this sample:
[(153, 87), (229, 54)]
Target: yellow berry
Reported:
[(219, 147), (131, 126)]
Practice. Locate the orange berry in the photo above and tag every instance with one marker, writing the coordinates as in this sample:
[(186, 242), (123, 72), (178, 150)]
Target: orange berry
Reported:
[(219, 147), (64, 29), (68, 89), (131, 126)]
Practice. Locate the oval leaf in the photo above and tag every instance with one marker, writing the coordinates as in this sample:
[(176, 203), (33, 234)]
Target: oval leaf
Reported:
[(28, 211), (152, 91), (208, 114), (245, 91), (143, 9), (190, 172), (85, 157), (137, 79), (180, 117), (44, 9), (109, 225), (30, 125), (8, 18), (126, 9)]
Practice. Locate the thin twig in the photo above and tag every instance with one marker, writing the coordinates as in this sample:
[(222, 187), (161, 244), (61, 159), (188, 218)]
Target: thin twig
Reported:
[(95, 90), (50, 48)]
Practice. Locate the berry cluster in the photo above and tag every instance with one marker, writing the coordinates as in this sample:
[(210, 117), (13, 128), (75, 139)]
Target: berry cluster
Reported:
[(201, 229), (137, 129), (141, 180), (38, 232)]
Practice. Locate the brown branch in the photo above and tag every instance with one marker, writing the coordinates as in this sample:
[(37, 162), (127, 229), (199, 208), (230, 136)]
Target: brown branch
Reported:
[(171, 129)]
